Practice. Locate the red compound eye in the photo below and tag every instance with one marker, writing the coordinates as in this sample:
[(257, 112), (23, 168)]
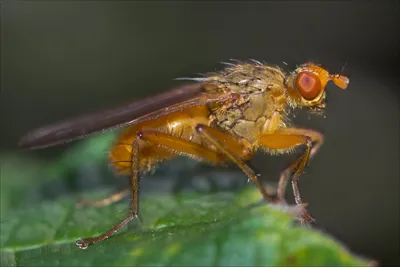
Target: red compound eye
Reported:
[(308, 84)]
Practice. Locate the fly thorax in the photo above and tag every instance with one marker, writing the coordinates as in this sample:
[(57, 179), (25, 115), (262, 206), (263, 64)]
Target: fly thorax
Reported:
[(245, 120), (259, 86)]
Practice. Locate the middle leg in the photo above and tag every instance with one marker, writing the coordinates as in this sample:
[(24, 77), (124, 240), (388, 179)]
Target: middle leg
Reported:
[(231, 148)]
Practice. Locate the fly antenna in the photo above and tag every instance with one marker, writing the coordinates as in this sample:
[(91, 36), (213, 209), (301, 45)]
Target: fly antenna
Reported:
[(340, 80)]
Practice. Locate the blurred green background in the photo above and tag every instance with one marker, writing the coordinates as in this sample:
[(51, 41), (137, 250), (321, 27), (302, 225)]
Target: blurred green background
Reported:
[(63, 59)]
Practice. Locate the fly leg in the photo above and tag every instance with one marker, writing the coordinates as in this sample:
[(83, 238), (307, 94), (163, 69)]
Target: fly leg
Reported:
[(164, 141), (134, 206), (318, 139), (105, 201), (290, 138), (228, 146)]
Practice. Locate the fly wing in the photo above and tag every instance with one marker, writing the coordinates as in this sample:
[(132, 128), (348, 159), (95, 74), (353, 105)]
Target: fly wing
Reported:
[(131, 113)]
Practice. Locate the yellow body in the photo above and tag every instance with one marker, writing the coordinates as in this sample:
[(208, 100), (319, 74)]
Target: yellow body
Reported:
[(265, 93)]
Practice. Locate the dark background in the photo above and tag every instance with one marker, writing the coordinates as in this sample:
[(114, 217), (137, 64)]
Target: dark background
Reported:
[(67, 58)]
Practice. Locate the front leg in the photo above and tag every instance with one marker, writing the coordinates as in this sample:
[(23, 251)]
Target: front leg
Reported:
[(290, 138)]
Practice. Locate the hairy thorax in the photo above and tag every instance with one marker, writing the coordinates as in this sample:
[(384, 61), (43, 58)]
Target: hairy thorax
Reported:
[(260, 108)]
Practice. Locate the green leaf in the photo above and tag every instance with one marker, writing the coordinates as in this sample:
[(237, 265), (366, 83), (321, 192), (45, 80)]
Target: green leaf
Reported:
[(17, 177), (212, 230), (197, 229)]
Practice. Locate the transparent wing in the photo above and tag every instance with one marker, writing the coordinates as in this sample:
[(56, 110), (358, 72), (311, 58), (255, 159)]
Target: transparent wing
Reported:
[(155, 106)]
